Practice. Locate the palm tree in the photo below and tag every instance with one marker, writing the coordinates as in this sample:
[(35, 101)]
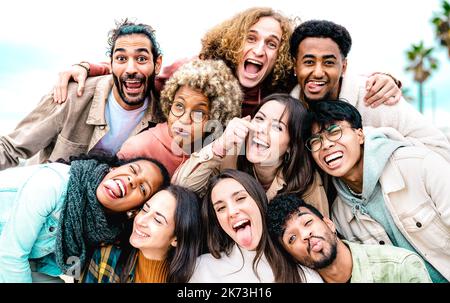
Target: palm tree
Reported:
[(421, 64), (406, 93), (441, 22)]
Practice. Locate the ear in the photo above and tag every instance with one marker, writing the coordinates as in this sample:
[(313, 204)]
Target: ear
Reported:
[(344, 67), (174, 242), (361, 137), (158, 64), (330, 224)]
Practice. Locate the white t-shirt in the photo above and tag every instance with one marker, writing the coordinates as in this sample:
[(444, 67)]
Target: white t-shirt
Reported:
[(121, 123), (238, 268)]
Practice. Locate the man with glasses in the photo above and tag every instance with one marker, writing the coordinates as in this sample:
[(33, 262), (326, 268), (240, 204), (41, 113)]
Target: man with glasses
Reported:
[(112, 108), (389, 192), (320, 50)]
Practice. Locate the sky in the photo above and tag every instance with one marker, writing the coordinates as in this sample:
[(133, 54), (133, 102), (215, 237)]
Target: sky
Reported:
[(40, 38)]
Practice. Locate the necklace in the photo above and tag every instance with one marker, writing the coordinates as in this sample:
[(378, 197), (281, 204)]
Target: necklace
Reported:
[(355, 194)]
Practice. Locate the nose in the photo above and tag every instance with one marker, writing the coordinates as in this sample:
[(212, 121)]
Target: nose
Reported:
[(186, 117), (305, 233), (318, 71), (258, 49), (141, 218), (131, 67), (233, 210), (135, 181), (326, 143)]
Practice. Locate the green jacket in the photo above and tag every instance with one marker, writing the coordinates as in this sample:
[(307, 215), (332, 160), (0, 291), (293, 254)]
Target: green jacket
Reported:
[(386, 264)]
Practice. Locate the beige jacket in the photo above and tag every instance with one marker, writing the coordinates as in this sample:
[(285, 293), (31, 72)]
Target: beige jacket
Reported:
[(196, 172), (402, 116), (62, 130), (416, 190)]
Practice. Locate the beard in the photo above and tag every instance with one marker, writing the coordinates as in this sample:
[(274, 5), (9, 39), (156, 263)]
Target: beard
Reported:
[(149, 83), (327, 257), (327, 96)]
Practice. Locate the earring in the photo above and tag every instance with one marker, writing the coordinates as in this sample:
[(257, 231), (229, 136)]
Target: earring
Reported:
[(287, 157), (131, 213)]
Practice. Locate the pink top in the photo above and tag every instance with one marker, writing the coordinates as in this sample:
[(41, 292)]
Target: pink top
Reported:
[(154, 143)]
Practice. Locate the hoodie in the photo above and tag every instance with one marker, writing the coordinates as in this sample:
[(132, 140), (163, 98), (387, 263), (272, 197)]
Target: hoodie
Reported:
[(378, 148)]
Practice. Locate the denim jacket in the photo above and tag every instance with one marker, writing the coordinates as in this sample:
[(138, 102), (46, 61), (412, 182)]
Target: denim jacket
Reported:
[(31, 198)]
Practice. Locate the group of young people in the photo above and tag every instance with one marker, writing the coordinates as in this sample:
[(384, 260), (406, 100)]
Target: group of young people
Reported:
[(262, 160)]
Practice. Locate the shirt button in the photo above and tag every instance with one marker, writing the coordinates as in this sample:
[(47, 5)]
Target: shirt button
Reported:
[(381, 242), (51, 229), (418, 224)]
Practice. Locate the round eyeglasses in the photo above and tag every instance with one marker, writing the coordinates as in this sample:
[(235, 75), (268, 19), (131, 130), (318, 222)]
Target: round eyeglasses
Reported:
[(197, 116), (332, 133)]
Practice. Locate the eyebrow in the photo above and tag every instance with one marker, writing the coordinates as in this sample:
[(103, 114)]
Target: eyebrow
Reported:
[(323, 57), (233, 195), (201, 103), (329, 57), (276, 120), (138, 50), (271, 35), (161, 215), (299, 214)]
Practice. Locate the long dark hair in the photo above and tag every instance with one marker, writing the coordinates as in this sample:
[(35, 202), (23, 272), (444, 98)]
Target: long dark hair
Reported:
[(188, 230), (219, 241), (297, 168)]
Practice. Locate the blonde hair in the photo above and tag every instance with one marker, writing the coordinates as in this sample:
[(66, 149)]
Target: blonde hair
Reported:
[(213, 79), (226, 41)]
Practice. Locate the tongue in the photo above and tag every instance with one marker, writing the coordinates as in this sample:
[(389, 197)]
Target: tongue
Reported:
[(252, 68), (313, 88), (244, 236), (112, 185), (133, 84)]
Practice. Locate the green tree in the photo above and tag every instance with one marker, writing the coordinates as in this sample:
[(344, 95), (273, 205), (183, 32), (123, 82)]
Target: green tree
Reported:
[(441, 21), (422, 64)]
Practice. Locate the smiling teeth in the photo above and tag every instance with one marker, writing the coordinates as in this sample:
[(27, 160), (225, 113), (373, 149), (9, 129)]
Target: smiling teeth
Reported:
[(332, 157), (260, 142), (317, 82), (254, 62), (141, 234), (121, 187), (240, 223)]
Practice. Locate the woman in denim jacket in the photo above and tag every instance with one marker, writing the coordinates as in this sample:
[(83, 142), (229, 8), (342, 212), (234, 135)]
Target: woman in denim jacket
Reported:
[(51, 215)]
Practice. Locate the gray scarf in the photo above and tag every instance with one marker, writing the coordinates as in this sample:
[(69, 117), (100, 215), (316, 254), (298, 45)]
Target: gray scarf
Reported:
[(83, 222)]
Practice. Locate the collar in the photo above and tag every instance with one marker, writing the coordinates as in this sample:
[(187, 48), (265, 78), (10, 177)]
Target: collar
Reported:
[(277, 184), (391, 179), (103, 89), (361, 266), (97, 112)]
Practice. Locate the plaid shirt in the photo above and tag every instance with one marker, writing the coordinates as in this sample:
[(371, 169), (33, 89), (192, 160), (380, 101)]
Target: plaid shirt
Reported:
[(107, 266)]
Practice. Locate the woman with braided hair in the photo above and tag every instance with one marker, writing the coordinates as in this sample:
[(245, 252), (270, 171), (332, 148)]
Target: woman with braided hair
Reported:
[(52, 215)]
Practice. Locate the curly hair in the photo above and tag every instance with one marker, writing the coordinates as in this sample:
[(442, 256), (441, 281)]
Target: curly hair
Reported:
[(321, 29), (127, 27), (226, 41), (213, 79), (281, 209)]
